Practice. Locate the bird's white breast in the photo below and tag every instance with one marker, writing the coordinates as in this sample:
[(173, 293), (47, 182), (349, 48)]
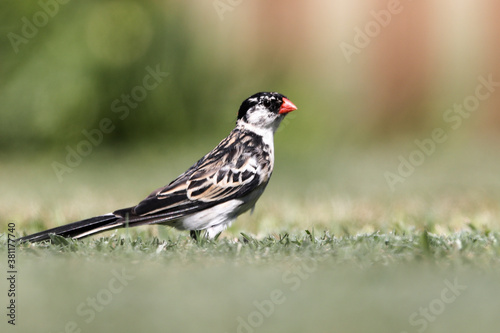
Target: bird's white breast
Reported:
[(220, 217)]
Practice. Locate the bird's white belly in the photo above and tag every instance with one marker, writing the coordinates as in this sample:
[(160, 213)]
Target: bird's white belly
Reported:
[(220, 217)]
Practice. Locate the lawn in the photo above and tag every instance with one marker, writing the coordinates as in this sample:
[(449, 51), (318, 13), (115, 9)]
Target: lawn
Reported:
[(329, 248)]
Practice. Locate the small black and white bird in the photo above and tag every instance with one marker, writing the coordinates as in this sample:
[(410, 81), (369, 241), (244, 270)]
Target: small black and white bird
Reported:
[(212, 193)]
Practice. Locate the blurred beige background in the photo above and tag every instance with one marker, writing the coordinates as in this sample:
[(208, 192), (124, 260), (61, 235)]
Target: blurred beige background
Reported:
[(414, 65)]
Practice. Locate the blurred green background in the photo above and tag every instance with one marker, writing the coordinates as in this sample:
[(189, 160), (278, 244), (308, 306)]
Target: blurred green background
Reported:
[(63, 65)]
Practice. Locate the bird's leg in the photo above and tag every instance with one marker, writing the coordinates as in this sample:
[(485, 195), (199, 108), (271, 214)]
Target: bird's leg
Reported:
[(194, 234)]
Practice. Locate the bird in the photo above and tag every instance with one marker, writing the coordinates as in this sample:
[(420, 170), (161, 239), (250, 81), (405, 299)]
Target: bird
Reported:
[(214, 191)]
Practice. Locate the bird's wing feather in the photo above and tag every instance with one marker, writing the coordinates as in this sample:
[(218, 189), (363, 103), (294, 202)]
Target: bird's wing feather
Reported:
[(230, 170)]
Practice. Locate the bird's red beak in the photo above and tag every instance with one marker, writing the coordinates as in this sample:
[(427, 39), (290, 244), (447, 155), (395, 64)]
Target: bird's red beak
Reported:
[(287, 106)]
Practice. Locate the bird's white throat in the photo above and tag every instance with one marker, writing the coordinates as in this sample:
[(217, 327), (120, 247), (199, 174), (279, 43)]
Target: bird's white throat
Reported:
[(267, 133)]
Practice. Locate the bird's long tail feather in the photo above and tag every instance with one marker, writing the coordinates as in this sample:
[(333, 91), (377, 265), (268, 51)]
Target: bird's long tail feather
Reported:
[(79, 229), (118, 219)]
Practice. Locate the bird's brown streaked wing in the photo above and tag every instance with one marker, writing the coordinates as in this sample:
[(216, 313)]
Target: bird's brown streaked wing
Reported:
[(225, 182), (227, 172)]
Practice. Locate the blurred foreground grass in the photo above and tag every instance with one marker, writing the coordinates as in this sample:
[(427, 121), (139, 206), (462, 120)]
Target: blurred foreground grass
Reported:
[(371, 260), (405, 282)]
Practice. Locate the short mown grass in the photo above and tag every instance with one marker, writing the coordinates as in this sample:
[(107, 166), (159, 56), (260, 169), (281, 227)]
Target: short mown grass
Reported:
[(474, 249)]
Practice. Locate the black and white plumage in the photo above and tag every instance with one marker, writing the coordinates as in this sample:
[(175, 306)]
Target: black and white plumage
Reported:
[(215, 190)]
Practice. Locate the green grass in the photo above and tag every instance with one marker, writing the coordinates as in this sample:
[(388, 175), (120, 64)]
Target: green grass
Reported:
[(472, 249), (337, 253)]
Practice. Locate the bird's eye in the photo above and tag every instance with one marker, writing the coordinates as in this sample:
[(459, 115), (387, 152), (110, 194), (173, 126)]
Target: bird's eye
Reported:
[(267, 103)]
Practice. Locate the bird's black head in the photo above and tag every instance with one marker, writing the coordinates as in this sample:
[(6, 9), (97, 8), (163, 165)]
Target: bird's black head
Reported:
[(264, 108)]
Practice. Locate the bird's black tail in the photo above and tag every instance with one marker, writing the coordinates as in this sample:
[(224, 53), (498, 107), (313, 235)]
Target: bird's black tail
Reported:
[(79, 229)]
